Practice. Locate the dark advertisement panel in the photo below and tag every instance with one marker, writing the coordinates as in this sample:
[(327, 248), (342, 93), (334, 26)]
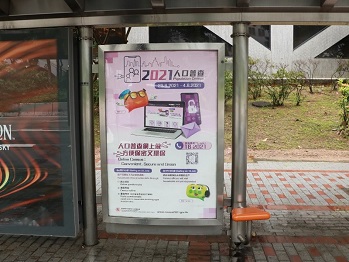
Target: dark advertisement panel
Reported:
[(38, 188)]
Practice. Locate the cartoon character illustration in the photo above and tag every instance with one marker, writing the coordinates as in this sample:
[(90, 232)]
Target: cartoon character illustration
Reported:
[(198, 191), (133, 100)]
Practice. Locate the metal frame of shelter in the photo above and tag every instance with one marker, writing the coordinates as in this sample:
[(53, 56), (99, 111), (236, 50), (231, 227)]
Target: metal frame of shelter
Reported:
[(85, 14)]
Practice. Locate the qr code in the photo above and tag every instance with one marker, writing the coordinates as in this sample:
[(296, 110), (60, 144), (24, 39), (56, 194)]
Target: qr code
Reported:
[(192, 158)]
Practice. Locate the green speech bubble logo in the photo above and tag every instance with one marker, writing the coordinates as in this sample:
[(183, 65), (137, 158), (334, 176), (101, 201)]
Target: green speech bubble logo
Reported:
[(198, 191)]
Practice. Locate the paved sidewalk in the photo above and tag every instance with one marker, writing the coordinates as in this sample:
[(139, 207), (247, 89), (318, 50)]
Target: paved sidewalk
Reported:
[(309, 206)]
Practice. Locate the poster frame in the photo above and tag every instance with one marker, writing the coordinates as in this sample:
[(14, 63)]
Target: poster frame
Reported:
[(178, 226)]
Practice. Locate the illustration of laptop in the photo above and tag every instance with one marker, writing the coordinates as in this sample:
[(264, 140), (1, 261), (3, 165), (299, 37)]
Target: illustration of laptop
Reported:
[(162, 119)]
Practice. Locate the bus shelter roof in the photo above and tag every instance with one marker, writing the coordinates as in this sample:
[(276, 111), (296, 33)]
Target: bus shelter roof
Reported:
[(53, 13)]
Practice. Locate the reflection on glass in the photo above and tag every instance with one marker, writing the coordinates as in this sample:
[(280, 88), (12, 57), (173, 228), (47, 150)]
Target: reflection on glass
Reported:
[(186, 34), (302, 34), (33, 135), (338, 50), (260, 33)]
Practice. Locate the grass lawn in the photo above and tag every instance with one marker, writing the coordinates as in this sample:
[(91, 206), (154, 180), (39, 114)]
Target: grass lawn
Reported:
[(312, 125)]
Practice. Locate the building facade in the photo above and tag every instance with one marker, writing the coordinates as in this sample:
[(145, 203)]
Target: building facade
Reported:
[(324, 49)]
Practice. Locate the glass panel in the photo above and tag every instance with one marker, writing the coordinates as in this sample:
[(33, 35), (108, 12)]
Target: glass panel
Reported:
[(260, 33), (154, 125), (339, 50), (36, 179), (186, 34), (302, 34)]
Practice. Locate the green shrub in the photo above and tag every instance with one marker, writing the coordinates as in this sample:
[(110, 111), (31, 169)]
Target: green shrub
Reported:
[(96, 95), (282, 83), (298, 81), (257, 76), (228, 86), (344, 107), (341, 69), (308, 68), (280, 87)]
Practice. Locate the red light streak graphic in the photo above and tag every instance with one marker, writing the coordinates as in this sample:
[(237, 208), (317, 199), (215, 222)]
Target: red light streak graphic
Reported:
[(15, 183), (4, 176), (30, 201)]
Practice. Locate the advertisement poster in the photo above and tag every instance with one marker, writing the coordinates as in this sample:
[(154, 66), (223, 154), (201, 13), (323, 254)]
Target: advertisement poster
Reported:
[(36, 180), (161, 133)]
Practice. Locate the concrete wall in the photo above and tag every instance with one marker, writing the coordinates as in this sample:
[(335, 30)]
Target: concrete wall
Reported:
[(281, 51)]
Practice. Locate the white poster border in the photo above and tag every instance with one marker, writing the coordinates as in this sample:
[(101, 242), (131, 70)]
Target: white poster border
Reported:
[(205, 222)]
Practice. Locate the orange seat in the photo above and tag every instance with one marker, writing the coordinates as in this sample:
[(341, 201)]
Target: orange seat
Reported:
[(249, 214)]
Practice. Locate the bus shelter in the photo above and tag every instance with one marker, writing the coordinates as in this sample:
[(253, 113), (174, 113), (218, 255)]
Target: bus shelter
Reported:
[(77, 19)]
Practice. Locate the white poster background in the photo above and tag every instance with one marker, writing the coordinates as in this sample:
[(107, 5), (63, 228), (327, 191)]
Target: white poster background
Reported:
[(156, 177)]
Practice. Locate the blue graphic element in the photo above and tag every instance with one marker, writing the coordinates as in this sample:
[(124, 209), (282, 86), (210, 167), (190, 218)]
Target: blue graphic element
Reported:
[(179, 145), (123, 93), (179, 85), (170, 170), (132, 170)]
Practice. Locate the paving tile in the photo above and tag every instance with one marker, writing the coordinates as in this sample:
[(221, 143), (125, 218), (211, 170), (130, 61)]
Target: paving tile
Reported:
[(309, 222)]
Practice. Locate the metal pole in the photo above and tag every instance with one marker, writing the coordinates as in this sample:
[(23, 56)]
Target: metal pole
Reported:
[(239, 145), (87, 138)]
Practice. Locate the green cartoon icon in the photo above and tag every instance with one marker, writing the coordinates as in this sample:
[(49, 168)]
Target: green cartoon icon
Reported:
[(198, 191)]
